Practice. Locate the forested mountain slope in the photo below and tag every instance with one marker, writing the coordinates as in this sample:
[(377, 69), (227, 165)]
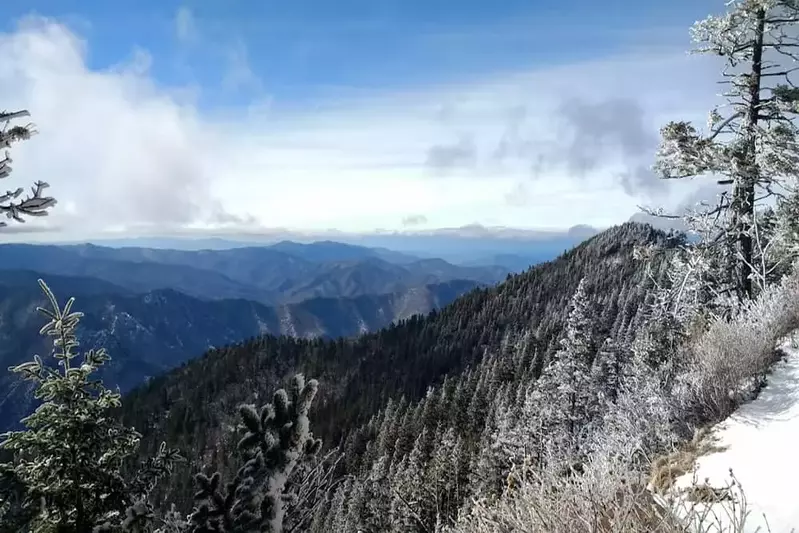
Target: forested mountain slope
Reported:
[(153, 332), (190, 406)]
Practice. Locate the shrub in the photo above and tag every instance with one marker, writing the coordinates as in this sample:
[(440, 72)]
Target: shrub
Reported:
[(730, 361), (278, 437), (609, 496)]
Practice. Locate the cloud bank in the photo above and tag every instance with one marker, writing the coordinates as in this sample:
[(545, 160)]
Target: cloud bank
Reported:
[(545, 148)]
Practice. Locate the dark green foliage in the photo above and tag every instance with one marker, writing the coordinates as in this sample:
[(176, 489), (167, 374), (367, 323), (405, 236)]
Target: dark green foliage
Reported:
[(65, 468), (277, 438), (16, 507)]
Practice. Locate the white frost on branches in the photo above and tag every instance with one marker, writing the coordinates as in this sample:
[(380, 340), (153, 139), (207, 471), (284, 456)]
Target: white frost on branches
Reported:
[(35, 204), (751, 143)]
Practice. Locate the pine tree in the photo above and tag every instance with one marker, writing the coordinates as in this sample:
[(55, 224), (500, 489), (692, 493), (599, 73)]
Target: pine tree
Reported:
[(753, 148), (69, 460), (444, 475), (565, 385), (278, 436), (412, 508), (786, 234), (34, 205), (502, 441), (606, 374), (337, 512), (355, 504), (374, 508)]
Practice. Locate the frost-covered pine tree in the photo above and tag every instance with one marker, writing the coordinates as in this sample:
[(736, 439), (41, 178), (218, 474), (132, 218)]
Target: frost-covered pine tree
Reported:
[(786, 234), (606, 375), (336, 516), (374, 508), (278, 437), (35, 204), (68, 461), (565, 384), (446, 475), (412, 507), (496, 447), (751, 142)]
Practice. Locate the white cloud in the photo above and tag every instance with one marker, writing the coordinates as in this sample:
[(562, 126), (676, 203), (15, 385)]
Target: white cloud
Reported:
[(123, 152)]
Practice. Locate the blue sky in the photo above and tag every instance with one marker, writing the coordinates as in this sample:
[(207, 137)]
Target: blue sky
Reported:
[(364, 114), (303, 49)]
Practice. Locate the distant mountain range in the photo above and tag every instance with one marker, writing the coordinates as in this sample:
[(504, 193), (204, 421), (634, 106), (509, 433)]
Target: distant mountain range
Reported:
[(274, 275), (468, 245), (152, 332), (191, 407)]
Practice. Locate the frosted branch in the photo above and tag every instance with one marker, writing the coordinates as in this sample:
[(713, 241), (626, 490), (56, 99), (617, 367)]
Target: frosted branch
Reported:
[(35, 204)]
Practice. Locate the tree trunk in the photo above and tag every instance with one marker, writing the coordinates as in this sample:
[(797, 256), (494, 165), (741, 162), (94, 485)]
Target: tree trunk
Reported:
[(744, 190)]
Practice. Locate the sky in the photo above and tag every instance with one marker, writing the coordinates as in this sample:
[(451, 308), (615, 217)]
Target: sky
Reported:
[(356, 115)]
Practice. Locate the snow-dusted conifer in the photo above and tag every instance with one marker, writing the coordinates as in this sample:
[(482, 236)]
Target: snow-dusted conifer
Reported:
[(68, 461), (374, 509), (751, 142), (786, 233), (606, 375), (444, 473), (503, 440), (35, 204), (490, 460), (337, 513), (565, 384), (278, 436), (411, 507)]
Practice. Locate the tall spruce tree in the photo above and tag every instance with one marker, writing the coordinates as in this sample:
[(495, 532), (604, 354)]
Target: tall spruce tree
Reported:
[(565, 384), (67, 465), (606, 376), (786, 234), (751, 142)]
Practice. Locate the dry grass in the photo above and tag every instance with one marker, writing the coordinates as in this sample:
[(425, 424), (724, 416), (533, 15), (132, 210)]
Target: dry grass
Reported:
[(667, 468), (604, 501), (707, 494)]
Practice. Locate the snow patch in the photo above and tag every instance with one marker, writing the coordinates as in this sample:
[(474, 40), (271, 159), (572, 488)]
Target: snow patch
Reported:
[(287, 321), (263, 327), (759, 443)]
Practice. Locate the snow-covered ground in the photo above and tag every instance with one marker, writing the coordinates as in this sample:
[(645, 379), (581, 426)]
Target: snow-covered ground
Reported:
[(762, 449)]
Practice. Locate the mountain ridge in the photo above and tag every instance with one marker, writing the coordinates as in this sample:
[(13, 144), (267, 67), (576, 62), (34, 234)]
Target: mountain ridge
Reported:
[(149, 333), (358, 376), (261, 274)]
